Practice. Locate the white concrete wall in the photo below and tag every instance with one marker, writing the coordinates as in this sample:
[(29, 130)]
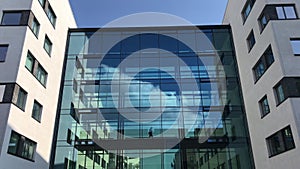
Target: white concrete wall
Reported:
[(22, 39), (276, 33)]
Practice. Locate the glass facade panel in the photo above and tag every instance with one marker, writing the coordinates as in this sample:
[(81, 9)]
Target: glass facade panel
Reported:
[(149, 90)]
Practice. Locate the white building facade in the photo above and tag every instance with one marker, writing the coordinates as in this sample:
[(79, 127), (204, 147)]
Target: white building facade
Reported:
[(266, 35), (32, 44)]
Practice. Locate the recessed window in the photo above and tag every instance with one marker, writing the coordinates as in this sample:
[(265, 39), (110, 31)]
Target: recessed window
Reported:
[(37, 111), (36, 69), (21, 146), (11, 18), (250, 40), (35, 27), (21, 100), (41, 74), (295, 46), (276, 12), (3, 52), (29, 62), (48, 45), (263, 63), (280, 142), (247, 9), (264, 106), (51, 15), (279, 93)]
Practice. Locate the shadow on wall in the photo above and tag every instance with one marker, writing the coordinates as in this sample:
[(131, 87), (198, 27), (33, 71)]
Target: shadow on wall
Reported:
[(17, 149)]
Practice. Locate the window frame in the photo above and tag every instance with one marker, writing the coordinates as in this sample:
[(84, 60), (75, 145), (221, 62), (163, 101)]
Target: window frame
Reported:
[(249, 4), (21, 146), (36, 66), (32, 28), (21, 104), (265, 61), (51, 15), (40, 111), (251, 43), (295, 39), (6, 47), (11, 12), (47, 40), (262, 105), (280, 133), (270, 13)]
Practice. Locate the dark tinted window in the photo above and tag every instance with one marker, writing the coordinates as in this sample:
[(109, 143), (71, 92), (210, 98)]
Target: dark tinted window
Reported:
[(3, 52), (11, 18)]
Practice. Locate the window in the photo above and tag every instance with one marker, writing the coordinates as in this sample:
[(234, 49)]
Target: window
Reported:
[(21, 100), (276, 12), (264, 106), (295, 46), (35, 27), (41, 75), (251, 40), (263, 63), (21, 146), (286, 12), (287, 87), (36, 69), (247, 9), (3, 52), (279, 93), (11, 18), (48, 45), (280, 142), (42, 2), (29, 62), (37, 111), (51, 15)]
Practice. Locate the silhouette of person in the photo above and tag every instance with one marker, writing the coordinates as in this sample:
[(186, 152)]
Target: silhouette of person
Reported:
[(150, 132)]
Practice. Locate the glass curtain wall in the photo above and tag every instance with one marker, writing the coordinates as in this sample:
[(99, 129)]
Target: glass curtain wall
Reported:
[(149, 101)]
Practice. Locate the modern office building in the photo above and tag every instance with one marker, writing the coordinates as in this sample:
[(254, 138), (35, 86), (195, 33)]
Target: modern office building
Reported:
[(161, 97), (151, 97), (32, 45), (267, 42)]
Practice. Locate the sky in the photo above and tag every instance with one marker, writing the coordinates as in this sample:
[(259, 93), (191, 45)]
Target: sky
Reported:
[(96, 13)]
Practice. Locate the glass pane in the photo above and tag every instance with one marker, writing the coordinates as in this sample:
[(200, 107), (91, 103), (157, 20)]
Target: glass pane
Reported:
[(296, 46), (36, 111), (13, 143), (290, 12), (28, 149), (41, 75), (288, 138), (48, 45), (21, 99), (42, 2), (51, 16), (280, 94), (29, 62), (35, 26), (11, 18), (3, 52), (280, 13)]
